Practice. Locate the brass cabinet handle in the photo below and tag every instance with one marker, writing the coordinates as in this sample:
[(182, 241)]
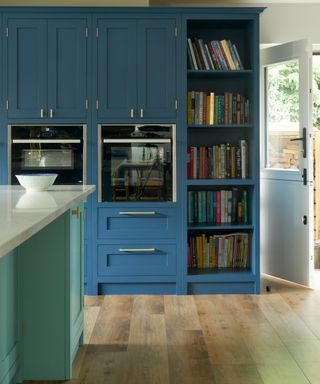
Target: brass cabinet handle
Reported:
[(141, 112), (76, 212), (131, 113), (41, 113), (51, 113)]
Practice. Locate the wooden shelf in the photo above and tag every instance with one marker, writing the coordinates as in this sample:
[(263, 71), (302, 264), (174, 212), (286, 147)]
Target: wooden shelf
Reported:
[(219, 182), (222, 74), (236, 227), (216, 126)]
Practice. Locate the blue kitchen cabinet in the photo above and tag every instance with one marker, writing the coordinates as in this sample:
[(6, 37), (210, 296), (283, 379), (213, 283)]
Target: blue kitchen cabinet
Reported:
[(51, 278), (156, 70), (116, 68), (67, 68), (9, 308), (47, 68), (136, 69), (26, 68)]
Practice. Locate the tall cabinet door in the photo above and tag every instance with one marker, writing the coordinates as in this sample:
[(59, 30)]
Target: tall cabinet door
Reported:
[(156, 68), (67, 68), (27, 68), (117, 68), (76, 276)]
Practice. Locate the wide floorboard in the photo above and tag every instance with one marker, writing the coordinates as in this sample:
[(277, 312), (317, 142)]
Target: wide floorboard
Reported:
[(272, 338)]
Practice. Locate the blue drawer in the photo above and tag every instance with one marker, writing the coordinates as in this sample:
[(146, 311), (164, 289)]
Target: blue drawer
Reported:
[(132, 223), (137, 259)]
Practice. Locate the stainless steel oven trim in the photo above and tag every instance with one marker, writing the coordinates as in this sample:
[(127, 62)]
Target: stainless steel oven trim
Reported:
[(174, 154), (84, 149), (99, 164), (49, 141)]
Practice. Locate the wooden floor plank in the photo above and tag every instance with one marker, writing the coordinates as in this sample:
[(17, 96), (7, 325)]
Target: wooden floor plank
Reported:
[(111, 331), (148, 305), (189, 361), (288, 373), (222, 333), (181, 313), (236, 374)]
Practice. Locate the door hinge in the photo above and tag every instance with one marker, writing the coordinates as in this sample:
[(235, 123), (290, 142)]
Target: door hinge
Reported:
[(176, 31), (97, 32), (176, 104), (87, 103), (7, 105), (87, 32), (22, 329), (7, 32), (97, 104)]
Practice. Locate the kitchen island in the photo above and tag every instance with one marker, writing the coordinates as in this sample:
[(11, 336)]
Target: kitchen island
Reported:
[(41, 282)]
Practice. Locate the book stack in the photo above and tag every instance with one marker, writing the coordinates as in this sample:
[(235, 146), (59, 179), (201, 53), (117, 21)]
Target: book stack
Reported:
[(207, 108), (217, 55), (219, 251), (219, 161), (218, 207)]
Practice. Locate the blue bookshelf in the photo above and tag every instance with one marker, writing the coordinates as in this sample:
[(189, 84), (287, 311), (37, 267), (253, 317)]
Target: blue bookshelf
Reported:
[(242, 29)]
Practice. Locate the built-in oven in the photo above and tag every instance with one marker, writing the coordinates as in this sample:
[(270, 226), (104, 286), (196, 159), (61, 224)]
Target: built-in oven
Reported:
[(137, 163), (57, 149)]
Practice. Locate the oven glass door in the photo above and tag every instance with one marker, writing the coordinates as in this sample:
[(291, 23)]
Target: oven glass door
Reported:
[(48, 149), (137, 170)]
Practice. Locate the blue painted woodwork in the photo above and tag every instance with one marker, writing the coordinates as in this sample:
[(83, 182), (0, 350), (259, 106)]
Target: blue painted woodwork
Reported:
[(51, 265), (114, 223), (136, 68), (27, 67), (67, 68), (156, 53), (116, 68), (9, 310), (156, 259), (47, 68), (137, 62)]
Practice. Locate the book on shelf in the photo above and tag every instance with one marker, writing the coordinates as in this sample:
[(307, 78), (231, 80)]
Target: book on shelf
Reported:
[(208, 108), (218, 251), (219, 161), (218, 207), (217, 55)]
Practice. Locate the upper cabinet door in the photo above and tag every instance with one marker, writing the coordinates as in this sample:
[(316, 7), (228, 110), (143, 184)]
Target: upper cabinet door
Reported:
[(67, 68), (27, 68), (156, 68), (116, 68)]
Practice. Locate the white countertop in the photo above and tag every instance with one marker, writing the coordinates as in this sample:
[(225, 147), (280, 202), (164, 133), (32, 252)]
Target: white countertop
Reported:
[(23, 214)]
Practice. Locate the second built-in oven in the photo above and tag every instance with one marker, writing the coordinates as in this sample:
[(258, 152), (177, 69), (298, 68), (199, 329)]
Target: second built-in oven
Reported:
[(57, 149), (137, 163)]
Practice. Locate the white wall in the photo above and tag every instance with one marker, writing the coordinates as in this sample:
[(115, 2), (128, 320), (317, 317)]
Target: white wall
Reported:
[(279, 22)]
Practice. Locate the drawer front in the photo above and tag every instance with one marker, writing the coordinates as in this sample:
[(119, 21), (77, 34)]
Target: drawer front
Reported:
[(136, 259), (132, 223)]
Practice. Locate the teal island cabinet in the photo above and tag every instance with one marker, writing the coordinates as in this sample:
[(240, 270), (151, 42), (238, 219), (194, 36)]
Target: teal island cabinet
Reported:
[(41, 282)]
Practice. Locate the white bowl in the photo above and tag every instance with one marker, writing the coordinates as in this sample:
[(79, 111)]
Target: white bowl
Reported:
[(37, 181)]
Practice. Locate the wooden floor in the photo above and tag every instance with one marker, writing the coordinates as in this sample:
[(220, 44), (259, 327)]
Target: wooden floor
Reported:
[(251, 339)]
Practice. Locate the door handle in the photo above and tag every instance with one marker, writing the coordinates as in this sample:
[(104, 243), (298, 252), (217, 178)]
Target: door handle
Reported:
[(137, 213), (304, 142)]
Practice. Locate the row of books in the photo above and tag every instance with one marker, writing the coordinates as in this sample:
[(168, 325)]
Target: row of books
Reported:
[(218, 55), (218, 207), (208, 108), (219, 161), (219, 251)]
